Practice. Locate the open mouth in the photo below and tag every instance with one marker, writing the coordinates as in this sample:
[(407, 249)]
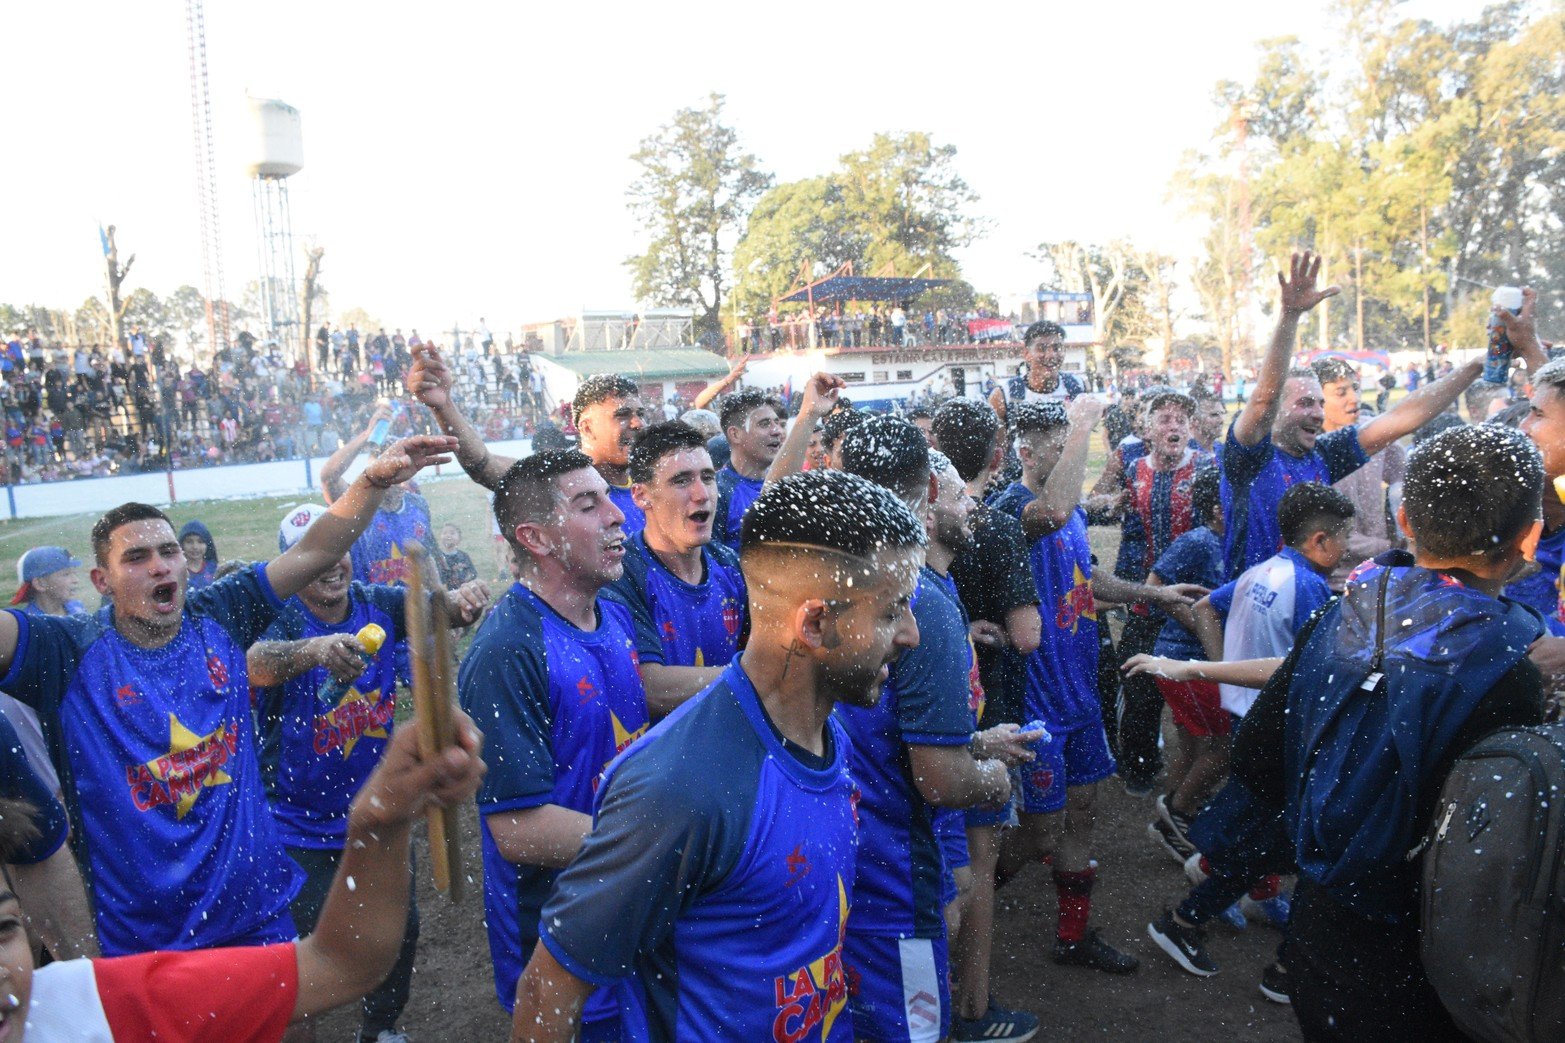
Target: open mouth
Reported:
[(700, 517), (8, 1005), (615, 548), (163, 596)]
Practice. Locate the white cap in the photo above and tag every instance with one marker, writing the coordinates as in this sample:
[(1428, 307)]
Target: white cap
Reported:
[(296, 522)]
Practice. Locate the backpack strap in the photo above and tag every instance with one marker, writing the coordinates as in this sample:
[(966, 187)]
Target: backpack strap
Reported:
[(1372, 681)]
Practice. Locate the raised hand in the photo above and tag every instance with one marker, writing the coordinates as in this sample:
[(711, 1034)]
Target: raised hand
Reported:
[(1299, 293), (820, 395), (1085, 410), (1521, 328), (1181, 593), (428, 379), (402, 460), (406, 782), (469, 601), (382, 412), (1159, 666)]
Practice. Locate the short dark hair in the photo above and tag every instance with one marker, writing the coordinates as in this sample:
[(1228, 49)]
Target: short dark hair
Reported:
[(889, 452), (1037, 417), (1301, 373), (833, 510), (547, 436), (124, 514), (1472, 489), (964, 429), (920, 412), (526, 493), (1511, 416), (1161, 397), (1116, 421), (1039, 330), (600, 388), (656, 442), (1440, 423), (1311, 507), (1329, 369), (736, 407), (840, 423), (1205, 493)]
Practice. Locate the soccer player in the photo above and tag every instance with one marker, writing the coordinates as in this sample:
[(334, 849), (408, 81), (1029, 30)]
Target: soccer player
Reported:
[(755, 425), (1276, 440), (685, 590), (607, 411), (380, 555), (1043, 352), (147, 713), (715, 886), (316, 756), (916, 755), (1059, 789), (1369, 486), (245, 995), (552, 676)]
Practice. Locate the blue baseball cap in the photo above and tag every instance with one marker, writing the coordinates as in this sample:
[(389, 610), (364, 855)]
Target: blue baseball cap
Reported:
[(38, 563)]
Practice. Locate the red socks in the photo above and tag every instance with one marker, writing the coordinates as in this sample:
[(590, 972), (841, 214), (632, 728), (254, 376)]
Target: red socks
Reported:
[(1075, 897), (1267, 887)]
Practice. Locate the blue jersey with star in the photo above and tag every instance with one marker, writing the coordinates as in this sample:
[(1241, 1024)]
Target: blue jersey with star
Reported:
[(157, 758), (713, 891), (635, 520), (678, 623), (1062, 675), (316, 756), (555, 703), (925, 701), (735, 494), (380, 554)]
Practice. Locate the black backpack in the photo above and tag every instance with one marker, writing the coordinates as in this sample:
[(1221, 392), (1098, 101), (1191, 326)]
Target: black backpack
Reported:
[(1494, 888)]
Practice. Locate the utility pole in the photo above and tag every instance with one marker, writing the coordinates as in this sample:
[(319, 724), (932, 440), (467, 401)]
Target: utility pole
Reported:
[(206, 181)]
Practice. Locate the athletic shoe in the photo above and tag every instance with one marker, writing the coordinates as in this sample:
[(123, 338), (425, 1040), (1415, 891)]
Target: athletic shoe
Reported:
[(1178, 823), (1193, 871), (1233, 916), (998, 1025), (1167, 838), (1095, 953), (1273, 911), (1137, 786), (1183, 944), (1275, 985)]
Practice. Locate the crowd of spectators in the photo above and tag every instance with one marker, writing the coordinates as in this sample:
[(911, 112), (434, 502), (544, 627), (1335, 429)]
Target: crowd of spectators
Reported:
[(873, 327)]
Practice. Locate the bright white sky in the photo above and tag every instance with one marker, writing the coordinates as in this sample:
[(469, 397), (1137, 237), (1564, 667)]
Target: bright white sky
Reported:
[(467, 159)]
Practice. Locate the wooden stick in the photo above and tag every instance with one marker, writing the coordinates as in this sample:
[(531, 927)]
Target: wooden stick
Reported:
[(442, 683), (431, 703)]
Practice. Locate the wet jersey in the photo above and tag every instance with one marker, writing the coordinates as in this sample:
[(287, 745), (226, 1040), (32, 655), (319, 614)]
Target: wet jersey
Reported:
[(735, 494), (315, 756), (1262, 611), (925, 702), (1062, 675), (1158, 512), (555, 703), (679, 623), (380, 553), (1543, 590), (156, 754), (18, 781), (716, 882), (635, 520)]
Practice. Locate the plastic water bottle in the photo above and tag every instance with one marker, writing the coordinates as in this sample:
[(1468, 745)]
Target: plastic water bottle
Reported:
[(370, 637), (1041, 741), (1497, 362)]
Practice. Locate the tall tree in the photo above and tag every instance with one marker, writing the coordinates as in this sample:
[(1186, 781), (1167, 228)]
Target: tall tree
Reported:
[(695, 188)]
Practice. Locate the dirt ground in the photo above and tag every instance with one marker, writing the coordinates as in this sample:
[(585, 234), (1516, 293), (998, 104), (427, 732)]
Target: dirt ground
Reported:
[(453, 990)]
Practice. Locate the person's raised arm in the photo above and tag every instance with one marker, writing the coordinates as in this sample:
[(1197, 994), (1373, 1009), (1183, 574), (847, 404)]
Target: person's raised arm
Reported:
[(1062, 489), (1298, 295), (717, 387), (820, 398), (1418, 408), (356, 939), (336, 465), (1521, 329), (332, 535), (429, 381)]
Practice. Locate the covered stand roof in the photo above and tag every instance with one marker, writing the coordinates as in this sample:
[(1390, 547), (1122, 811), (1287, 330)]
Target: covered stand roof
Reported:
[(863, 288)]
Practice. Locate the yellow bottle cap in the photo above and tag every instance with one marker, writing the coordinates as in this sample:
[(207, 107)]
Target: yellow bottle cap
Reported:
[(371, 636), (1559, 487)]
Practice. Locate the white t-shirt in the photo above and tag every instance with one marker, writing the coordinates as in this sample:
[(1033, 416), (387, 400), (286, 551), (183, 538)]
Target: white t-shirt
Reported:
[(1266, 606)]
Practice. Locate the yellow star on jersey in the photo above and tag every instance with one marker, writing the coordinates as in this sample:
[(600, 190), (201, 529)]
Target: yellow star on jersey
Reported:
[(623, 736), (193, 762), (343, 715)]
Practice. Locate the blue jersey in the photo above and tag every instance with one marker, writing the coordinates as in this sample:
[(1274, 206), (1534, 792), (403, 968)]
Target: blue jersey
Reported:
[(1196, 557), (924, 702), (1542, 590), (314, 756), (18, 781), (677, 623), (735, 494), (1062, 675), (716, 882), (1255, 479), (635, 520), (380, 554), (156, 754), (556, 703)]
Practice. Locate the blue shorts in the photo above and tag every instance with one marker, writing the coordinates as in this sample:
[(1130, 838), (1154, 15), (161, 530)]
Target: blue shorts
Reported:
[(899, 989), (951, 831), (1078, 757)]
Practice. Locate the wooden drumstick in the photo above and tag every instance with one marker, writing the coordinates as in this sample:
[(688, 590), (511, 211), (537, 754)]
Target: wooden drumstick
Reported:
[(429, 641)]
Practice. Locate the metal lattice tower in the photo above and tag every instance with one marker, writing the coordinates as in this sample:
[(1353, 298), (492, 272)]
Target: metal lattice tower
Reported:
[(206, 180)]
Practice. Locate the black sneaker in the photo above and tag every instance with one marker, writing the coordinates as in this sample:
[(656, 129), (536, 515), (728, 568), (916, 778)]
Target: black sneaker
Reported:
[(1275, 985), (998, 1025), (1096, 953), (1178, 823), (1137, 785), (1183, 944), (1170, 840)]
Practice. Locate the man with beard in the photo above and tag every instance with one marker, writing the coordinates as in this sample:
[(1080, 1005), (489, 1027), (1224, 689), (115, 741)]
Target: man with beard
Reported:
[(714, 889), (1276, 441), (146, 711), (755, 425), (917, 757), (1043, 351), (552, 674)]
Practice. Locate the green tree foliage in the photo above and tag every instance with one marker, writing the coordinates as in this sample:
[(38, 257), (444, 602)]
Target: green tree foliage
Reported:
[(694, 191)]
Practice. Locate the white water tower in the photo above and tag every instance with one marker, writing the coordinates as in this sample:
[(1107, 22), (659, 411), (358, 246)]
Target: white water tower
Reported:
[(277, 153)]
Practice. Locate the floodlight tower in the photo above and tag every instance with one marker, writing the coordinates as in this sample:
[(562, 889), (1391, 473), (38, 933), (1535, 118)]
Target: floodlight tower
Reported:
[(279, 154), (206, 180)]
